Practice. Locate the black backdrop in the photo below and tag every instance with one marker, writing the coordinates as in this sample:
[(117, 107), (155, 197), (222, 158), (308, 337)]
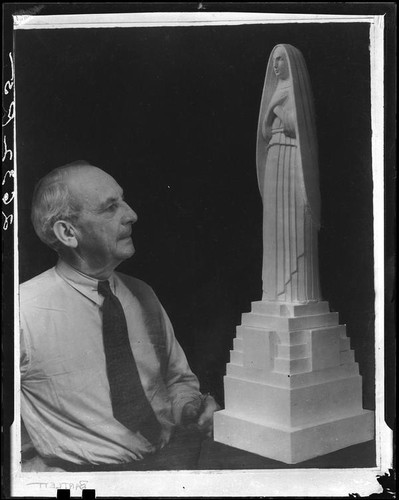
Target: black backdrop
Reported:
[(172, 114)]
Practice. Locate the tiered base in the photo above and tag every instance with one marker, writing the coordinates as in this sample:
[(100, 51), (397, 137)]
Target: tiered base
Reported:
[(292, 388), (293, 445)]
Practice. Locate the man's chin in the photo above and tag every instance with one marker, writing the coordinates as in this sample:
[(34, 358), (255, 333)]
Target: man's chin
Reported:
[(129, 252), (122, 257)]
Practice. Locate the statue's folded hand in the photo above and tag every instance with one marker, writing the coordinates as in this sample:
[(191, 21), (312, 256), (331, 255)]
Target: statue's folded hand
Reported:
[(287, 120), (267, 133), (289, 131), (279, 111)]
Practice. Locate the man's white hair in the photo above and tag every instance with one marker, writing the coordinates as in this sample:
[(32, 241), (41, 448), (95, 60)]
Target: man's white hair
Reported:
[(52, 201)]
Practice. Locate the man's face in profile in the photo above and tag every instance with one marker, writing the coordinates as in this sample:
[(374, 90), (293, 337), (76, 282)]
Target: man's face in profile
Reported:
[(105, 221)]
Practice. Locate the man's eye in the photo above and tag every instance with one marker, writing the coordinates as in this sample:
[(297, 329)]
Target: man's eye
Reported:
[(112, 207)]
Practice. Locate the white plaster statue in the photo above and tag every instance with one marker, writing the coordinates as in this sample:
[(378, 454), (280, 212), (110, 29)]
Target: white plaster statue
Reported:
[(287, 169), (292, 387)]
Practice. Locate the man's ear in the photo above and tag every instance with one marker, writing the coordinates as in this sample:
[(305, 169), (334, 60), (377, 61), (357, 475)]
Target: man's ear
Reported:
[(65, 233)]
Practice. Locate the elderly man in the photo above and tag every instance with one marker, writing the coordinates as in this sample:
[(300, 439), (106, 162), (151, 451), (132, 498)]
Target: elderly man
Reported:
[(104, 383)]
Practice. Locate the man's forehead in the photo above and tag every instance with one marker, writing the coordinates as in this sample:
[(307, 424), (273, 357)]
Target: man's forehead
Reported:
[(92, 184)]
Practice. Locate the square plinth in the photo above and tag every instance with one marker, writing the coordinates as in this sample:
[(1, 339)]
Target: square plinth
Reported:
[(296, 444)]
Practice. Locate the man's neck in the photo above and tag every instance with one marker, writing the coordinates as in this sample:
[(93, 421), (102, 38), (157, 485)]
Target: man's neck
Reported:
[(99, 273)]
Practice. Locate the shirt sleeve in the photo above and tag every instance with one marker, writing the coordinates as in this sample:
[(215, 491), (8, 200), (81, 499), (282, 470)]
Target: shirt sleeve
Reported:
[(182, 384)]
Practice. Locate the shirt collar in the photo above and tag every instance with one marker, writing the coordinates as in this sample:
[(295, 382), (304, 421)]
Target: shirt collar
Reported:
[(84, 284)]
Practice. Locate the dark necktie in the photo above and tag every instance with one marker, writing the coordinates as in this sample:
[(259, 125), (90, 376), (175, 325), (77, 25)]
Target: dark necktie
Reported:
[(130, 405)]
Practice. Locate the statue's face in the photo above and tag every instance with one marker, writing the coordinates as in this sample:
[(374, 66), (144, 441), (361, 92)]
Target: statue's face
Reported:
[(280, 64)]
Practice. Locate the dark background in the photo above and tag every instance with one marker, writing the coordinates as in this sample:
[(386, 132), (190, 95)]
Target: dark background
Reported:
[(172, 114)]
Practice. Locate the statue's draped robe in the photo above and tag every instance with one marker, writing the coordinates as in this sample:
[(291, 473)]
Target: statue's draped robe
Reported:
[(288, 182), (290, 267)]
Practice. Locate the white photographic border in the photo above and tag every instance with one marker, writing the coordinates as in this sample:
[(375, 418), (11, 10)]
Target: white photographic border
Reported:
[(297, 482)]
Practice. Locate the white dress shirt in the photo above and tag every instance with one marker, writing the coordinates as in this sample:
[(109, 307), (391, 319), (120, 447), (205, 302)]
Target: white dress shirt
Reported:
[(65, 395)]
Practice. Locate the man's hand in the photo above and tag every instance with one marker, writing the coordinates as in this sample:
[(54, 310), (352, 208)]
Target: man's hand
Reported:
[(199, 414)]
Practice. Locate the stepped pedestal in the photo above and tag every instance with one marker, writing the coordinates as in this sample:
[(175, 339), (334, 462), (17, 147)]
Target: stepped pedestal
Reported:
[(292, 387)]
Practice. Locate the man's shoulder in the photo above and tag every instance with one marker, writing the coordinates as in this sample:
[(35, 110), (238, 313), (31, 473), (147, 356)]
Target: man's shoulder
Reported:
[(135, 285), (140, 292), (41, 286)]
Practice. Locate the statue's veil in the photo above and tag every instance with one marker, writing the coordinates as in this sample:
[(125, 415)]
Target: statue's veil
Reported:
[(305, 127)]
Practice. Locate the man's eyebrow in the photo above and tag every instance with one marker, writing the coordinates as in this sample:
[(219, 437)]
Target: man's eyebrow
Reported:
[(109, 201)]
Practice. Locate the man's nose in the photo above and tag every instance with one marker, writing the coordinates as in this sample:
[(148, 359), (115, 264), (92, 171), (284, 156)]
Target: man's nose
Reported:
[(130, 215)]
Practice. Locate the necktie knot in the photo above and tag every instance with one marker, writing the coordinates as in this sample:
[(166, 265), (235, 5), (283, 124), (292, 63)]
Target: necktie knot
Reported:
[(104, 289)]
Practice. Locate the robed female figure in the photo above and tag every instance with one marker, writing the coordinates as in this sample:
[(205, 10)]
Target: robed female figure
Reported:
[(287, 168)]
